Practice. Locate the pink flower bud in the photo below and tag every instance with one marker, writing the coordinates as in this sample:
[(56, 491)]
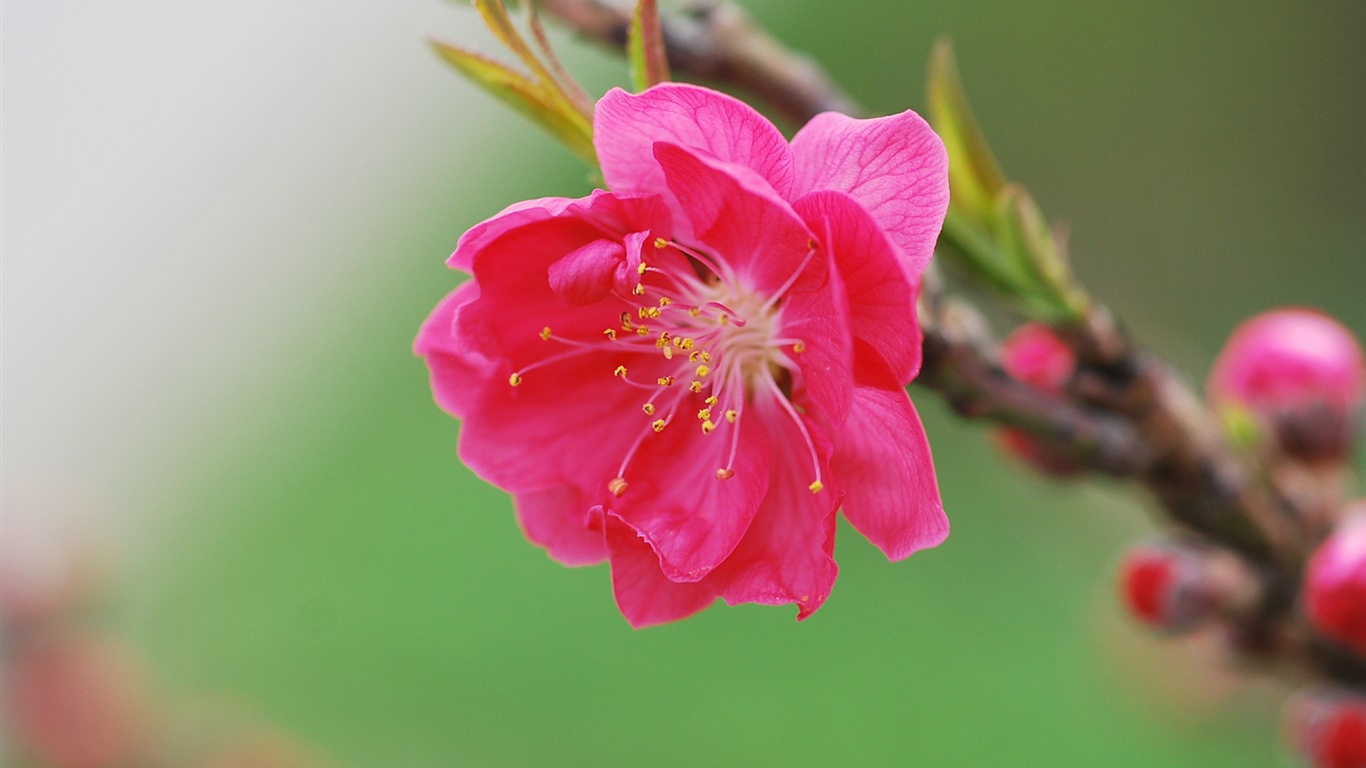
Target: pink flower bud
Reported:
[(1328, 729), (1166, 585), (1299, 374), (1335, 585), (1035, 355)]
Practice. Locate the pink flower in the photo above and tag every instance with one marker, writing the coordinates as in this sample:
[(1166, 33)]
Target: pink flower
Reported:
[(1335, 582), (1299, 374), (690, 374)]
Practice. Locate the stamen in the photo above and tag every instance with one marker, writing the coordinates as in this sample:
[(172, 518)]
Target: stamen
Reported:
[(610, 334), (707, 427), (642, 269), (545, 333), (665, 381), (639, 290), (515, 379), (617, 486), (799, 347), (661, 243), (649, 409), (703, 370), (620, 371), (725, 474), (732, 415), (816, 486), (658, 425), (696, 387), (704, 414)]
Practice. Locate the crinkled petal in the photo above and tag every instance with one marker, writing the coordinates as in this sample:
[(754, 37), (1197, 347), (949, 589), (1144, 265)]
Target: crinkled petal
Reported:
[(745, 227), (644, 596), (895, 167), (674, 500), (882, 294), (588, 273), (883, 461), (627, 126), (786, 555), (458, 374), (554, 519)]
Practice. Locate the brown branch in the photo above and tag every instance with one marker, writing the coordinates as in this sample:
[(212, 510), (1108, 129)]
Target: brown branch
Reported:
[(1127, 414), (719, 42)]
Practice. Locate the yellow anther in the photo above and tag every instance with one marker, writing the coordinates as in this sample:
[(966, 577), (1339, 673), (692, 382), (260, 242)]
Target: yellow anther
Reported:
[(611, 334), (665, 381), (816, 486), (687, 342), (545, 333), (724, 320), (702, 370), (642, 330), (810, 244), (652, 312), (732, 415), (710, 400), (693, 356), (668, 353), (639, 290), (694, 311), (705, 356), (658, 425), (515, 379), (640, 270), (799, 347), (707, 427), (641, 313), (649, 409), (617, 486), (620, 371), (725, 474), (661, 242), (665, 301), (696, 387), (704, 414)]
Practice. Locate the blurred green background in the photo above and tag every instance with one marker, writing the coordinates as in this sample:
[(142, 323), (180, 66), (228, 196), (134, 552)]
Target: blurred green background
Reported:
[(223, 228)]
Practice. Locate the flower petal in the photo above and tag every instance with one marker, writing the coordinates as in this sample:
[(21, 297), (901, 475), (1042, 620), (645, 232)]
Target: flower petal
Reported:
[(675, 501), (895, 167), (786, 555), (643, 595), (626, 128), (819, 318), (511, 217), (563, 423), (458, 374), (746, 227), (588, 273), (554, 519), (882, 294), (883, 460)]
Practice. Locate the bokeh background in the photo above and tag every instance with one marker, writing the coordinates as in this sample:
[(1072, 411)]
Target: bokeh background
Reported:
[(224, 222)]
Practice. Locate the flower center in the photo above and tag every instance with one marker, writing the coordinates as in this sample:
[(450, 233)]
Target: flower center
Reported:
[(699, 343)]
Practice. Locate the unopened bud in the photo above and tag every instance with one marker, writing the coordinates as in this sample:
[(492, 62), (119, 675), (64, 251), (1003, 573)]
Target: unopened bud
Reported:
[(1335, 585), (1328, 728), (1298, 375), (1036, 356), (1176, 586)]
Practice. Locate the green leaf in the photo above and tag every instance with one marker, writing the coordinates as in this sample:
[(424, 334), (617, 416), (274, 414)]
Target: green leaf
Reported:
[(975, 178), (645, 52), (545, 106)]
